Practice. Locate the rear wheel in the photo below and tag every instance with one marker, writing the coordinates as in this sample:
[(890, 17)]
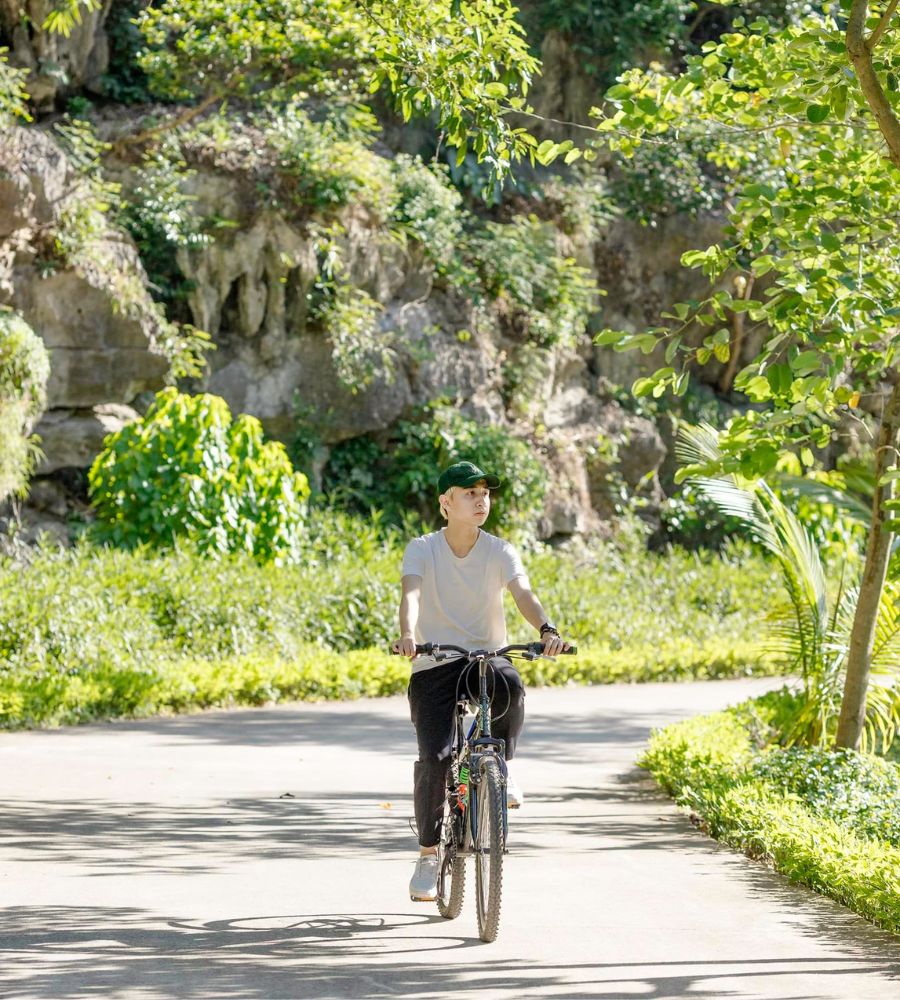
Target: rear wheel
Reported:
[(489, 849), (451, 885)]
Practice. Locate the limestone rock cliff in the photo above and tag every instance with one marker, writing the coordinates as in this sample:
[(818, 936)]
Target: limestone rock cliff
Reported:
[(103, 350)]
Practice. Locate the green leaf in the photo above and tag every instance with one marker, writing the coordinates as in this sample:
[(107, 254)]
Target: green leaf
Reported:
[(609, 336), (817, 113), (805, 362)]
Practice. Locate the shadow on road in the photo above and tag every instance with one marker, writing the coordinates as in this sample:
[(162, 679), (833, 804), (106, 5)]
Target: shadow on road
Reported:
[(114, 838), (52, 952)]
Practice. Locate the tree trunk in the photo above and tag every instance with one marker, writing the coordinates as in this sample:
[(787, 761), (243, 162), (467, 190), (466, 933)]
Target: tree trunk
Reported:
[(860, 49), (878, 547)]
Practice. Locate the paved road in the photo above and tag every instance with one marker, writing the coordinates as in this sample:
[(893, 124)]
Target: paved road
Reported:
[(265, 854)]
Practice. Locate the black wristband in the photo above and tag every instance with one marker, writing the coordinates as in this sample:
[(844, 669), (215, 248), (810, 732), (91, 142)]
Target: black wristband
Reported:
[(547, 627)]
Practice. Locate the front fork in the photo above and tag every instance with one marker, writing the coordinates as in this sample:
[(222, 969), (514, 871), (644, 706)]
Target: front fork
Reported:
[(494, 748)]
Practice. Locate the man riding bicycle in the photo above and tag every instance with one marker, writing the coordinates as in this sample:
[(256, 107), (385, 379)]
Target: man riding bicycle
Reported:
[(452, 592)]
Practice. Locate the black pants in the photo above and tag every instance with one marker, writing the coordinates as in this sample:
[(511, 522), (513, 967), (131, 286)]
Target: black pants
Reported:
[(432, 699)]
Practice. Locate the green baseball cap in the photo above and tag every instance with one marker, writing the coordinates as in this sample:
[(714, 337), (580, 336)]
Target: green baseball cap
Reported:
[(465, 474)]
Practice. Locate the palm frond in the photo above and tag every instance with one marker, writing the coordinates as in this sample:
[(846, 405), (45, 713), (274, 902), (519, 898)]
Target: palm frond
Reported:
[(849, 502), (886, 649), (697, 444)]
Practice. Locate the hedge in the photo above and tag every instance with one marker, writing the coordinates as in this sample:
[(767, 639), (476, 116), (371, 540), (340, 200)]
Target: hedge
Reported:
[(710, 765)]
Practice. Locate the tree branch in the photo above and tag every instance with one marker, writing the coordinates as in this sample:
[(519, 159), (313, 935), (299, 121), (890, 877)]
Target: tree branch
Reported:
[(860, 53), (182, 119), (882, 25)]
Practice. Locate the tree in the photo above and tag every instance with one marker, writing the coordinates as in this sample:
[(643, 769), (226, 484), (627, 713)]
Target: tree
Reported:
[(800, 117), (465, 63)]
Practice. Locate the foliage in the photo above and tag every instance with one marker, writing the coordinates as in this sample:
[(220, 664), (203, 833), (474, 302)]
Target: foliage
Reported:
[(269, 49), (81, 240), (13, 94), (328, 163), (124, 81), (804, 812), (645, 30), (854, 790), (92, 632), (185, 471), (550, 296), (642, 28), (691, 519), (24, 370), (465, 63), (400, 475), (835, 506), (360, 350), (160, 216), (147, 605), (819, 228), (810, 630), (658, 181), (65, 14), (428, 210)]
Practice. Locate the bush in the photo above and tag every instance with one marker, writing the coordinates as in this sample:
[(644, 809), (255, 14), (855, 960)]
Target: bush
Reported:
[(856, 791), (400, 475), (551, 297), (428, 210), (73, 620), (24, 370), (185, 471), (328, 162), (824, 820), (160, 216)]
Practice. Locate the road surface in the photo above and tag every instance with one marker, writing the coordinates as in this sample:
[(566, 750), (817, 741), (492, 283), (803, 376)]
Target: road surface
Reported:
[(266, 854)]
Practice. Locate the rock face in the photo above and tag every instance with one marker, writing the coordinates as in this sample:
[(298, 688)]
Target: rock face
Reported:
[(251, 290), (251, 293), (59, 64), (104, 334)]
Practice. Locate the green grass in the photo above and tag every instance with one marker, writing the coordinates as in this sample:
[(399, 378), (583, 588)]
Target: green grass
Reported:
[(824, 820)]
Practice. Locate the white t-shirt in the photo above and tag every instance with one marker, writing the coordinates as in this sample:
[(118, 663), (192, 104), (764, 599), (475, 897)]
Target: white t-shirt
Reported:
[(461, 599)]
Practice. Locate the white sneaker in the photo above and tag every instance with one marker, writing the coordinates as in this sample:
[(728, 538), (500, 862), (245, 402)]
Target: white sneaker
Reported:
[(423, 884), (514, 795)]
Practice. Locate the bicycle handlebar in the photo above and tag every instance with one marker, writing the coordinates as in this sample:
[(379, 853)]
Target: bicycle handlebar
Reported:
[(533, 648)]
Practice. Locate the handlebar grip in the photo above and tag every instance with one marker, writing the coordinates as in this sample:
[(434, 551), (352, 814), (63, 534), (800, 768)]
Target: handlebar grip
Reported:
[(421, 649), (538, 647)]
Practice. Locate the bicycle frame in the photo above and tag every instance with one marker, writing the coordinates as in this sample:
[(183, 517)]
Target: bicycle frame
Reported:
[(479, 742)]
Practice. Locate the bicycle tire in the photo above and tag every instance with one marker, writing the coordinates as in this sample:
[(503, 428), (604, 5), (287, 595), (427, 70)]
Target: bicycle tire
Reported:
[(451, 886), (489, 849)]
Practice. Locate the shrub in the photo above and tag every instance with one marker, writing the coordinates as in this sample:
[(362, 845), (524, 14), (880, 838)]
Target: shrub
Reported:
[(401, 475), (185, 471), (824, 820), (24, 370), (856, 791), (550, 296), (428, 210), (328, 162), (74, 619), (160, 216)]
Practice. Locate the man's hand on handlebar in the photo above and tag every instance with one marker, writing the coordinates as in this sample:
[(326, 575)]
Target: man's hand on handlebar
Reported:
[(554, 644), (404, 646)]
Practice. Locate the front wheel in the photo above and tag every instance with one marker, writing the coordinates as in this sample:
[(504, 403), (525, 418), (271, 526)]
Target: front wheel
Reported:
[(488, 848)]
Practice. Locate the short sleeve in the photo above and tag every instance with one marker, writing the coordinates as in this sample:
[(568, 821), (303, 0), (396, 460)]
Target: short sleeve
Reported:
[(512, 565), (414, 558)]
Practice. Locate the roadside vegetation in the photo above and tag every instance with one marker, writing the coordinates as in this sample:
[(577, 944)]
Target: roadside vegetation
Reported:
[(826, 819), (99, 632)]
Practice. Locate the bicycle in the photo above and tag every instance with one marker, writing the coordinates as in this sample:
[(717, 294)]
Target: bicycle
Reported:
[(475, 810)]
